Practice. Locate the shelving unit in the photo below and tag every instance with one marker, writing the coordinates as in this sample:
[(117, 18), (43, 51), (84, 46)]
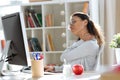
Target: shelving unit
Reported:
[(57, 25)]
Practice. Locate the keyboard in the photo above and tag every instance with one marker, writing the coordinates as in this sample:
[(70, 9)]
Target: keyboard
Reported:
[(45, 73), (27, 70)]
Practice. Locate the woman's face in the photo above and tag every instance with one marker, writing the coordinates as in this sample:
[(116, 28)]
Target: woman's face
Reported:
[(77, 25)]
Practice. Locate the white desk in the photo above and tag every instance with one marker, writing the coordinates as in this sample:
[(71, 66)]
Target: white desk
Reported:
[(57, 76)]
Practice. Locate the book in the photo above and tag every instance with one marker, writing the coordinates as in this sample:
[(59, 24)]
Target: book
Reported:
[(85, 7), (26, 19), (30, 22), (47, 44), (34, 44), (30, 45), (49, 20), (30, 14), (39, 18), (35, 20), (50, 43)]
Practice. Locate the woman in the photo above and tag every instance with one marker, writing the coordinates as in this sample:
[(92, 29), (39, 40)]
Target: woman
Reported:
[(86, 48)]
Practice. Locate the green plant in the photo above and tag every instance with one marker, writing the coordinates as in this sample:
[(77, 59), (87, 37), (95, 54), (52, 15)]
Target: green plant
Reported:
[(115, 43)]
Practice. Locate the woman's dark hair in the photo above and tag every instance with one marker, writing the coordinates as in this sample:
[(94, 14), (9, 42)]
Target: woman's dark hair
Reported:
[(92, 29)]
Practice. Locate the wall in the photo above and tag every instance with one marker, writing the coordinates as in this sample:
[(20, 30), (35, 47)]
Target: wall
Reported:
[(117, 16), (110, 22)]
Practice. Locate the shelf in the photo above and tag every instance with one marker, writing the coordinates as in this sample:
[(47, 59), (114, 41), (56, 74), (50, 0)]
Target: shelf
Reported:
[(53, 35), (53, 52), (34, 28), (55, 27)]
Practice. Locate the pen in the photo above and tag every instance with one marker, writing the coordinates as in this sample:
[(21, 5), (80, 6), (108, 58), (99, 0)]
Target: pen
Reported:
[(34, 55), (37, 56), (41, 56)]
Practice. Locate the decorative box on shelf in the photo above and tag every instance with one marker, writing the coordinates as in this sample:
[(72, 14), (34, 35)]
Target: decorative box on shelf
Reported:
[(38, 0)]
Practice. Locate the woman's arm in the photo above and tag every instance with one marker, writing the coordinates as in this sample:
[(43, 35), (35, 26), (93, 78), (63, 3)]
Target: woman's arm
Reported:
[(85, 49)]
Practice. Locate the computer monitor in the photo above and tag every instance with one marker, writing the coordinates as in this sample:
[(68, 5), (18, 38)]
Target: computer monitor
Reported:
[(12, 28)]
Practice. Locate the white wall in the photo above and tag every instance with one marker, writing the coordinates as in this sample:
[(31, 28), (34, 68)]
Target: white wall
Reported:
[(110, 21), (8, 10)]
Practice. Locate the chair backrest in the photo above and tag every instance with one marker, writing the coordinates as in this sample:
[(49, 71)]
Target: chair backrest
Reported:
[(97, 66)]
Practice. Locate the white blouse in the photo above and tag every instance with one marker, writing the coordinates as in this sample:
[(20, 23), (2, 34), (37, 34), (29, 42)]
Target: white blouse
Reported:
[(81, 52)]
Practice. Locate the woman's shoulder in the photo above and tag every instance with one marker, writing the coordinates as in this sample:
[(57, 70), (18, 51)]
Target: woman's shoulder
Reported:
[(91, 43)]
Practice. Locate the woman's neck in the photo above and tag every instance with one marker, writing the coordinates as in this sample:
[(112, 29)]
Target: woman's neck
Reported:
[(84, 35)]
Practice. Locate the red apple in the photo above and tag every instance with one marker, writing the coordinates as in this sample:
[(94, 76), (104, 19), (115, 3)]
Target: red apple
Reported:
[(116, 68), (77, 69)]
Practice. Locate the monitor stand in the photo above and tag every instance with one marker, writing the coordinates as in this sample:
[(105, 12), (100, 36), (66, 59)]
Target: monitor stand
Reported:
[(4, 58)]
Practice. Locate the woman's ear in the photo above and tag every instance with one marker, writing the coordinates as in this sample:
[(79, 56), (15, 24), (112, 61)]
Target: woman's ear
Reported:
[(85, 22)]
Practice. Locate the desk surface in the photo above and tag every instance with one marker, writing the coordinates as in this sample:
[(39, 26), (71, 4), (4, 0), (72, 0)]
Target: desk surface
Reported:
[(57, 76)]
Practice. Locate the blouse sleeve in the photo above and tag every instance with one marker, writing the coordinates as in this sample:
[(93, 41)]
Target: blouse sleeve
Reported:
[(83, 50), (58, 68)]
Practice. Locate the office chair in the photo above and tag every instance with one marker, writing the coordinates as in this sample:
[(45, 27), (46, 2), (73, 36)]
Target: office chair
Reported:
[(98, 61)]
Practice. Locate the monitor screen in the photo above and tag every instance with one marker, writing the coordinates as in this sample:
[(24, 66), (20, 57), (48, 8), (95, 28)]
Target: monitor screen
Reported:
[(13, 31)]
